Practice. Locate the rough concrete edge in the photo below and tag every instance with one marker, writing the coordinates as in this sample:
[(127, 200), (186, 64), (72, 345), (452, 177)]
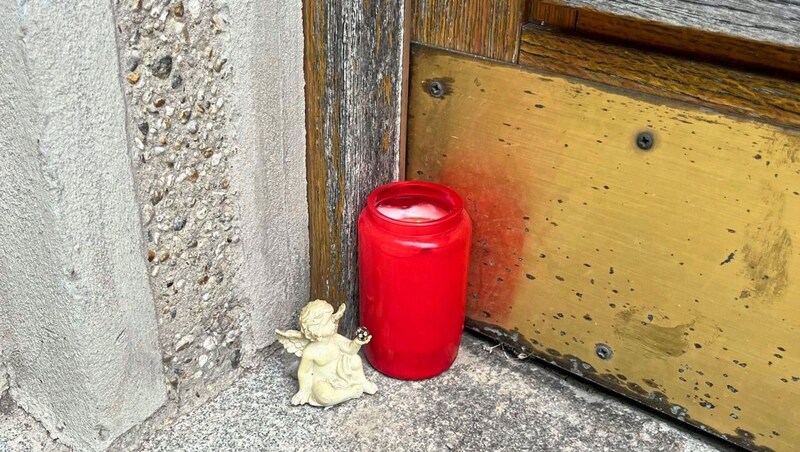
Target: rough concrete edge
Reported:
[(7, 393), (7, 386), (169, 410), (169, 414), (268, 113), (130, 150), (21, 432)]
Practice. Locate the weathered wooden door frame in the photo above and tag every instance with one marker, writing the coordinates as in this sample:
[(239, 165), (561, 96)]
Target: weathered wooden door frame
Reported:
[(356, 55)]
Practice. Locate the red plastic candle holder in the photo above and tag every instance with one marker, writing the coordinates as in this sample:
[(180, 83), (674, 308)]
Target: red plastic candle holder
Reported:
[(413, 241)]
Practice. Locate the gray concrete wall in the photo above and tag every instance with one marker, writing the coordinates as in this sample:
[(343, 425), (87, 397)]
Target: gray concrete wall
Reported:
[(215, 95), (152, 205), (77, 325)]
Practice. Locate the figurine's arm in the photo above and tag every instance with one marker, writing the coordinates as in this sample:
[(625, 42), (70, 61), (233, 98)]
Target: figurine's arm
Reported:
[(351, 347), (304, 378)]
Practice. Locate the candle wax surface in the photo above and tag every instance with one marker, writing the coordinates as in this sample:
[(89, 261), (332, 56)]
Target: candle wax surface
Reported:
[(412, 212)]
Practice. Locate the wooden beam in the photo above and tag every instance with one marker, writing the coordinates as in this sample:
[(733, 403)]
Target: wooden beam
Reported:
[(354, 54), (719, 48), (701, 45), (488, 28), (758, 96), (562, 18), (772, 21), (669, 275)]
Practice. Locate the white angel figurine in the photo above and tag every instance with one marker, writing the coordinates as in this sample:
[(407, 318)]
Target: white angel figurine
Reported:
[(330, 369)]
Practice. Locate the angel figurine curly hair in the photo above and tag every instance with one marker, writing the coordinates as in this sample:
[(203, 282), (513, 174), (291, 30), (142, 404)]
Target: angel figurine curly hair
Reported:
[(330, 369)]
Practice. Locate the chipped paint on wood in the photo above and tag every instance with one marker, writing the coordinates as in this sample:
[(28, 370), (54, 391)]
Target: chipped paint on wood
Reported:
[(656, 331), (623, 247)]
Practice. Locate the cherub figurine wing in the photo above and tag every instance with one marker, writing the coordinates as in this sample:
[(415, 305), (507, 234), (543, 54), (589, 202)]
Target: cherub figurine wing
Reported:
[(293, 341)]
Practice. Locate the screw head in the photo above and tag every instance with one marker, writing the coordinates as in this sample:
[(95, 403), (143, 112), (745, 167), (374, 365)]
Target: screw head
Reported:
[(436, 88), (603, 351), (645, 141)]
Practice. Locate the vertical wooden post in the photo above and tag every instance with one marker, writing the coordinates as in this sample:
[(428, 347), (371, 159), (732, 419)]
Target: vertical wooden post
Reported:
[(355, 54)]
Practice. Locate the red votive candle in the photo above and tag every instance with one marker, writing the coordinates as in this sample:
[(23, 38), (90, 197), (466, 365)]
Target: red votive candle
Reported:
[(413, 240)]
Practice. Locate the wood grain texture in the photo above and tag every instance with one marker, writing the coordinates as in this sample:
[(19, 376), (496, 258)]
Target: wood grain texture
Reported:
[(682, 260), (776, 21), (759, 96), (354, 52), (690, 42), (488, 28), (702, 45), (563, 18)]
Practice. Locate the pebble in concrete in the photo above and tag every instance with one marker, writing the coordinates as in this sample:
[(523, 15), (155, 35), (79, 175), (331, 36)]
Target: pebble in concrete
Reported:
[(173, 52)]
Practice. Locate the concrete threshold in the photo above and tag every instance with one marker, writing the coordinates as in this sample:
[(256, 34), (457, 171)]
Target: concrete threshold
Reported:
[(488, 401)]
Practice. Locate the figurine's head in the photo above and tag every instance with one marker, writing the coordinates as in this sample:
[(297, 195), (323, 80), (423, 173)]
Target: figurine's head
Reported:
[(317, 319)]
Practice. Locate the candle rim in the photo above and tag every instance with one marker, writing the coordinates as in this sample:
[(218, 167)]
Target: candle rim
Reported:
[(452, 203), (441, 211)]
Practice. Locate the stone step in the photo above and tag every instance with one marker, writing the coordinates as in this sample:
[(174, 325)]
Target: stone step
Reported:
[(488, 401)]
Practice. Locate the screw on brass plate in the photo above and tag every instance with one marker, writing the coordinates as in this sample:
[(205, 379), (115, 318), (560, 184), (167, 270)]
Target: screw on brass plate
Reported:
[(436, 88), (645, 141), (603, 351)]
